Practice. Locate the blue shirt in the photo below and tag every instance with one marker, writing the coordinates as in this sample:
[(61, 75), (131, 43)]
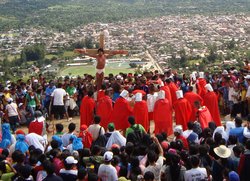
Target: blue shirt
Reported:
[(48, 92), (238, 132)]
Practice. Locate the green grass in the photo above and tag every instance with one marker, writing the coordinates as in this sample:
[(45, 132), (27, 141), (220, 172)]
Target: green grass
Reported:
[(68, 54), (80, 70), (50, 56)]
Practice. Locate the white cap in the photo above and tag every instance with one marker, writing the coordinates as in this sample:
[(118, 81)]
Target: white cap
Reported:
[(178, 129), (201, 74), (71, 160), (35, 81), (20, 104), (124, 93), (179, 94), (209, 87), (225, 72), (119, 77), (247, 77), (138, 97), (6, 89), (9, 99), (108, 156), (8, 82), (161, 94)]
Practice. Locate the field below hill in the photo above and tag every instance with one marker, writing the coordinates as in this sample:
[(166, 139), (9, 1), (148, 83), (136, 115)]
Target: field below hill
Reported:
[(80, 70)]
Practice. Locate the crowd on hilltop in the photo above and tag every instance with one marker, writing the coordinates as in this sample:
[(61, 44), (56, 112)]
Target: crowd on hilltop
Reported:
[(116, 139)]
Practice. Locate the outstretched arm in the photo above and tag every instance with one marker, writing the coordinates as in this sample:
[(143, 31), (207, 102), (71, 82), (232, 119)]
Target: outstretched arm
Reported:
[(116, 52), (84, 51)]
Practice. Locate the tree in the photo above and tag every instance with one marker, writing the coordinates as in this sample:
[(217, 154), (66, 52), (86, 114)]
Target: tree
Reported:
[(33, 53)]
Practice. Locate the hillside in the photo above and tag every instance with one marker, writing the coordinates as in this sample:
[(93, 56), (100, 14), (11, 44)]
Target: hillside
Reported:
[(64, 14)]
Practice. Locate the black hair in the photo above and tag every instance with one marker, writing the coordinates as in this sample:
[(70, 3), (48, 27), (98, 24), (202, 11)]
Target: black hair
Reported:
[(97, 119), (3, 167), (232, 139), (238, 121), (59, 85), (190, 125), (95, 150), (81, 174), (5, 152), (149, 176), (49, 167), (25, 171), (54, 144), (195, 161), (90, 93), (59, 127), (72, 127), (152, 157), (248, 144), (131, 120), (100, 50), (174, 166)]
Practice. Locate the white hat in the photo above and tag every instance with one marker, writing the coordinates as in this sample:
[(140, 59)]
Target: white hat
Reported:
[(247, 77), (35, 81), (119, 77), (124, 93), (222, 151), (179, 94), (193, 75), (6, 89), (201, 74), (225, 72), (20, 104), (108, 156), (138, 97), (161, 94), (9, 99), (8, 82), (71, 160), (209, 87), (178, 129)]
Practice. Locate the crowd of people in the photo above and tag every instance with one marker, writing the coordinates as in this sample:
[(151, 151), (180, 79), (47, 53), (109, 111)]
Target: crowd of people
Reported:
[(148, 126)]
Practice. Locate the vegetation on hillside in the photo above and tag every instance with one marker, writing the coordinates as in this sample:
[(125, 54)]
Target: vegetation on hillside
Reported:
[(64, 14)]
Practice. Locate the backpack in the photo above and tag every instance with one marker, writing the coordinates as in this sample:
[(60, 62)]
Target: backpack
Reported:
[(100, 141), (136, 136)]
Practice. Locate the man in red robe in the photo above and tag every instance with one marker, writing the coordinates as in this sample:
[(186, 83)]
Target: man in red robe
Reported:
[(203, 115), (183, 110), (192, 98), (87, 109), (163, 115), (121, 111), (201, 83), (104, 109), (173, 88), (141, 111), (211, 102)]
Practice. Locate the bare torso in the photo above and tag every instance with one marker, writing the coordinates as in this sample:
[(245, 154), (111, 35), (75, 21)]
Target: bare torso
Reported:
[(101, 61)]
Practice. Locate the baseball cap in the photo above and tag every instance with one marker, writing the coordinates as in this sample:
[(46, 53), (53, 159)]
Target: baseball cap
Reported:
[(71, 160), (233, 176), (108, 156)]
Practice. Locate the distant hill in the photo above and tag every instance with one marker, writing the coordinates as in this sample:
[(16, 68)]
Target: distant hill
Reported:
[(65, 14)]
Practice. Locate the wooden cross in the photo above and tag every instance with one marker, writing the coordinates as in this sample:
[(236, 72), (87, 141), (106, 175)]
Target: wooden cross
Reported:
[(101, 45)]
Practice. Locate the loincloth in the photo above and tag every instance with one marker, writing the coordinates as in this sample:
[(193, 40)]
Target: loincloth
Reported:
[(99, 71)]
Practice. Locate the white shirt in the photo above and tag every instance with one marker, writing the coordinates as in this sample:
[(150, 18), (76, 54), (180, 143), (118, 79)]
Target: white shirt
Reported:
[(36, 140), (12, 109), (195, 174), (94, 130), (151, 99), (248, 92), (156, 169), (58, 95), (107, 172), (65, 139)]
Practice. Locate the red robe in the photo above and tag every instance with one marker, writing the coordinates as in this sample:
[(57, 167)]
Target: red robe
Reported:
[(201, 87), (192, 97), (121, 112), (204, 117), (183, 111), (173, 88), (87, 111), (141, 114), (100, 94), (104, 109), (211, 102), (168, 95), (36, 127), (163, 117)]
